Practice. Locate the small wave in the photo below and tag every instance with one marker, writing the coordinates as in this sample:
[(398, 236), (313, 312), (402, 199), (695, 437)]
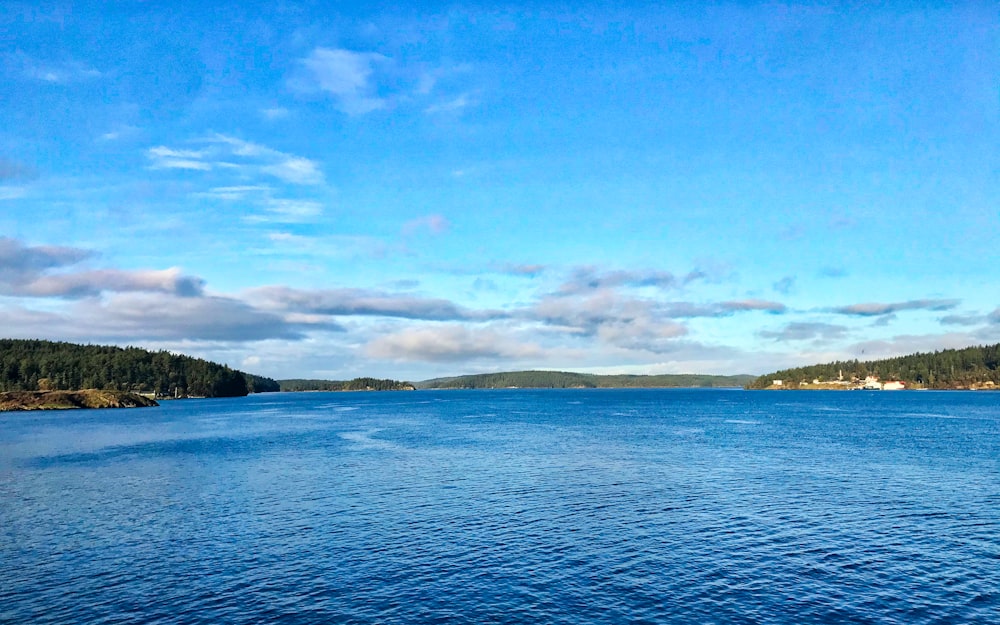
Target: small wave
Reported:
[(742, 421)]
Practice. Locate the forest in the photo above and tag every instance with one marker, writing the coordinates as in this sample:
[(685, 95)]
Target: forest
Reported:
[(564, 379), (36, 365), (971, 367), (357, 384)]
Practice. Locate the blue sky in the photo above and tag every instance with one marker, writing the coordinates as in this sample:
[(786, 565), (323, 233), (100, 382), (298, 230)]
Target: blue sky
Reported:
[(407, 191)]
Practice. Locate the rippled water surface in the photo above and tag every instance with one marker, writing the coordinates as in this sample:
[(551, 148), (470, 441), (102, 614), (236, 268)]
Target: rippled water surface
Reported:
[(517, 506)]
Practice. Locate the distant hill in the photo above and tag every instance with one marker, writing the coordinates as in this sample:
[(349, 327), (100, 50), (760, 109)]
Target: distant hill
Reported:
[(35, 365), (357, 384), (972, 367), (564, 379)]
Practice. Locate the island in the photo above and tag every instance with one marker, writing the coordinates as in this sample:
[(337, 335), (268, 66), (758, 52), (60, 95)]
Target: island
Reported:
[(566, 379)]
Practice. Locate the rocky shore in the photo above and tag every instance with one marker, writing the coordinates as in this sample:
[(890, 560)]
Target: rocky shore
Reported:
[(61, 400)]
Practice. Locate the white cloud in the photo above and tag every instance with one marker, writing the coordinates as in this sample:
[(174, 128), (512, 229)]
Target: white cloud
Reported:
[(435, 224), (452, 343), (459, 103), (287, 211), (47, 271), (235, 193), (296, 170), (274, 113), (347, 76), (229, 153)]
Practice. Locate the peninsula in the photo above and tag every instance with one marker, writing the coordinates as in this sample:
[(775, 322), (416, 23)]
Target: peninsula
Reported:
[(971, 368), (61, 400)]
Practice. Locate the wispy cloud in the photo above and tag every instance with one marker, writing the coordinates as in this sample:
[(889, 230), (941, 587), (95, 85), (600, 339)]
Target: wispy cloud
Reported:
[(12, 193), (274, 113), (583, 279), (805, 331), (874, 309), (362, 302), (963, 320), (287, 211), (753, 304), (529, 270), (453, 105), (223, 152), (12, 171), (56, 72), (785, 285), (120, 133), (434, 224), (347, 76)]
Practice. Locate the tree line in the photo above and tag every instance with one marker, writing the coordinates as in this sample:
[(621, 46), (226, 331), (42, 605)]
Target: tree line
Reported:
[(34, 365), (357, 384), (565, 379), (971, 367)]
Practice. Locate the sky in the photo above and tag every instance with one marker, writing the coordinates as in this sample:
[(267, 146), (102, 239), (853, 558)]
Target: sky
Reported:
[(413, 190)]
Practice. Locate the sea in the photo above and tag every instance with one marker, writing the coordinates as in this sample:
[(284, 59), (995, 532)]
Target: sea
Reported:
[(688, 506)]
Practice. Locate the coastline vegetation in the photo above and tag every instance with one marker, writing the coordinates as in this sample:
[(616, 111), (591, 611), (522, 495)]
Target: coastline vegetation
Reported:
[(37, 365), (969, 368), (565, 379), (357, 384)]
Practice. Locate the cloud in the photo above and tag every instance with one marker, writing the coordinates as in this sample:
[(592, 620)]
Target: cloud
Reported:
[(19, 262), (121, 132), (88, 283), (288, 211), (235, 193), (804, 331), (226, 153), (682, 310), (277, 112), (45, 271), (832, 272), (753, 304), (347, 76), (450, 343), (457, 104), (295, 169), (785, 285), (529, 271), (585, 279), (874, 309), (287, 167), (53, 72), (11, 171), (434, 224), (361, 302), (137, 317), (625, 322), (964, 320), (163, 157)]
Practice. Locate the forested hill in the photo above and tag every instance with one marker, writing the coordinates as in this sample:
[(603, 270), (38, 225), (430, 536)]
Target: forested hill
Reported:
[(357, 384), (972, 367), (563, 379), (32, 365)]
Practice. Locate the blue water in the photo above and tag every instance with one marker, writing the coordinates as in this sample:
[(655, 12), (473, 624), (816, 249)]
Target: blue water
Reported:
[(517, 506)]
